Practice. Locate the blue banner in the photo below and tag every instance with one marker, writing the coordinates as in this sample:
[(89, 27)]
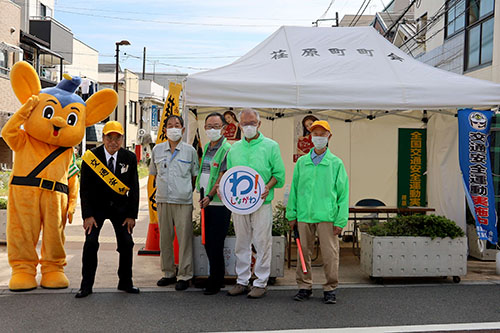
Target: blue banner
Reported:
[(154, 115), (474, 154)]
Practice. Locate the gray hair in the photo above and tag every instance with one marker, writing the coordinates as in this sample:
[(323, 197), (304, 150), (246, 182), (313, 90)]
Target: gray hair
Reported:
[(248, 110)]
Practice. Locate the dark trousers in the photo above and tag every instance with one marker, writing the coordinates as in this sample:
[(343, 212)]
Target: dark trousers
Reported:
[(216, 226), (125, 249)]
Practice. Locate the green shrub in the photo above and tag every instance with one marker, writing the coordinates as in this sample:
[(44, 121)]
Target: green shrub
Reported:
[(3, 203), (417, 226)]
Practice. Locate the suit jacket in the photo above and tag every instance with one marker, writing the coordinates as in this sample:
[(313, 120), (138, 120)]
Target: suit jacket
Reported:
[(98, 199)]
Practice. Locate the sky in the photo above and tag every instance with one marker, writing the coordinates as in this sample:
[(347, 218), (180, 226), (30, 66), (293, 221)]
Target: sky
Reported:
[(189, 36)]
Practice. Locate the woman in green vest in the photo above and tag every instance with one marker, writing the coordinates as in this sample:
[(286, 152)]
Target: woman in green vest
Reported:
[(212, 167)]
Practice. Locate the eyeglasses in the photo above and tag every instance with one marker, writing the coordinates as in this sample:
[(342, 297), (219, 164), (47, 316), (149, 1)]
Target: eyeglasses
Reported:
[(254, 123), (209, 127)]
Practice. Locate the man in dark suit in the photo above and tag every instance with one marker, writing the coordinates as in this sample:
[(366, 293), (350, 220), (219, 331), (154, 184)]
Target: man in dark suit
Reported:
[(103, 196)]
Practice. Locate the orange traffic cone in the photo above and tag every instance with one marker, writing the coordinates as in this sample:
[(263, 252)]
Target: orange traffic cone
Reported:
[(152, 247)]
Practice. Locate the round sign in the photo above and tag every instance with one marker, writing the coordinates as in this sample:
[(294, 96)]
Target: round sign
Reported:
[(241, 189)]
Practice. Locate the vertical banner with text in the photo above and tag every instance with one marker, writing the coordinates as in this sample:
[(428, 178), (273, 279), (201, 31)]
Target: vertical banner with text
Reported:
[(412, 165), (474, 154), (171, 108)]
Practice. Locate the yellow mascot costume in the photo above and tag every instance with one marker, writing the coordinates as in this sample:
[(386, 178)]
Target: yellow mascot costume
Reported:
[(42, 195)]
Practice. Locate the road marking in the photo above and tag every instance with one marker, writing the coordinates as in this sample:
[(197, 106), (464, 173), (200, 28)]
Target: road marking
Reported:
[(493, 326)]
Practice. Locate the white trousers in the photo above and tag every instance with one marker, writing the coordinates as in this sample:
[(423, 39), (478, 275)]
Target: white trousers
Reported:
[(254, 229)]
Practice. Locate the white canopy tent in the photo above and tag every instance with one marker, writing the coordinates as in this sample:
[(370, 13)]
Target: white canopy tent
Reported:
[(353, 74), (344, 68)]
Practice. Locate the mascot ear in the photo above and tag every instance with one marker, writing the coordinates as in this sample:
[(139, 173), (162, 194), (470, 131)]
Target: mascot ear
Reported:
[(100, 105), (24, 81)]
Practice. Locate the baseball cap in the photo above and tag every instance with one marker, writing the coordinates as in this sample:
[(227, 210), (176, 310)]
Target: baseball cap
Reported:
[(321, 123), (113, 127)]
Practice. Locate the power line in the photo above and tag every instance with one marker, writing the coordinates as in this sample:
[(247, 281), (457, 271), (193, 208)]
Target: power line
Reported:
[(359, 10), (171, 22), (434, 20), (359, 17), (326, 11), (160, 14)]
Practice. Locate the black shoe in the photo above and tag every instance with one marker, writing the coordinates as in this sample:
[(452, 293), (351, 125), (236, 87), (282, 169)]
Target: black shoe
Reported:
[(181, 285), (211, 290), (83, 293), (329, 297), (303, 295), (130, 290), (164, 281)]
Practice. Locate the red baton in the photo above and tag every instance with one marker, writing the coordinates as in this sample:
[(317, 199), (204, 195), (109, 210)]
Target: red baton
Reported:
[(299, 246), (202, 195)]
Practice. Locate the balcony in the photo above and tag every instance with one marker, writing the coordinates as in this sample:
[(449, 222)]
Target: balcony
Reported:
[(58, 37)]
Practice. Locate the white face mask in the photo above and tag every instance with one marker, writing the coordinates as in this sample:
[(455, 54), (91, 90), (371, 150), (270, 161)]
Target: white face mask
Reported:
[(174, 134), (319, 141), (249, 131), (213, 134)]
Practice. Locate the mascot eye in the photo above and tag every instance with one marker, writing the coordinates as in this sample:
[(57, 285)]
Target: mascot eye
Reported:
[(48, 112), (72, 119)]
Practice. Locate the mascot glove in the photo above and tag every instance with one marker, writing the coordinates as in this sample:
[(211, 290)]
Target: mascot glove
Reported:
[(28, 107)]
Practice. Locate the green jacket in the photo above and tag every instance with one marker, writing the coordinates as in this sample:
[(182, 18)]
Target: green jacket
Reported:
[(261, 154), (214, 167), (319, 193)]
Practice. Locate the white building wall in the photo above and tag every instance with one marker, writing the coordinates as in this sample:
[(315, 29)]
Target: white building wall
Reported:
[(431, 7), (85, 61)]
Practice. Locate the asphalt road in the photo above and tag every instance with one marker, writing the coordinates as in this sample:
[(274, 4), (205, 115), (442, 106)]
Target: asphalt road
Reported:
[(190, 311)]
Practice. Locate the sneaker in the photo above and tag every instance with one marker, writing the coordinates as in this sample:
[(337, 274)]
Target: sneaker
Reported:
[(257, 292), (303, 295), (164, 281), (238, 289), (329, 297), (181, 285)]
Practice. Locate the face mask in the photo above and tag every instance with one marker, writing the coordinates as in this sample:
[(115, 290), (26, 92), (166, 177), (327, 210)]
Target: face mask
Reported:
[(174, 134), (249, 131), (213, 134), (319, 141)]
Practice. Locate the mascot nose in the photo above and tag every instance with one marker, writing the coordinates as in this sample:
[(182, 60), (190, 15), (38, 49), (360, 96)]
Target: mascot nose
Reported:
[(58, 122)]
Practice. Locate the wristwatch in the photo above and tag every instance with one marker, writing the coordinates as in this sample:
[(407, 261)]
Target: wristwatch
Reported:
[(211, 197)]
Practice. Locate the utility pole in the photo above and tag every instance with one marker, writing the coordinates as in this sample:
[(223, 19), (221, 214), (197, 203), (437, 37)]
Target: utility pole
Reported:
[(144, 64)]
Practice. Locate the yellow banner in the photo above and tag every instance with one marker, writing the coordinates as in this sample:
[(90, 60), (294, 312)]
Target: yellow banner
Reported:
[(171, 108), (103, 172)]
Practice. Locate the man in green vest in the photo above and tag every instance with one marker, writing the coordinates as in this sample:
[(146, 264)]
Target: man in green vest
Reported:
[(263, 155), (319, 203), (213, 166)]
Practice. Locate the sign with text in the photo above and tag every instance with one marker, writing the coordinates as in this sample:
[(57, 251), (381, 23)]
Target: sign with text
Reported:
[(241, 189), (412, 165), (474, 155)]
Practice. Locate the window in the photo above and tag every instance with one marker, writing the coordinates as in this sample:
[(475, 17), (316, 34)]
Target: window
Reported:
[(43, 10), (479, 36), (455, 16), (132, 117), (4, 69)]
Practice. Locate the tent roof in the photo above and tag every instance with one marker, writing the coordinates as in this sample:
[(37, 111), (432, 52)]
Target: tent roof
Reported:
[(342, 68)]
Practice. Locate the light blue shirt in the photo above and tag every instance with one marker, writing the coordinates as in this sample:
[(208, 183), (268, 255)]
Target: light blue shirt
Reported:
[(174, 172), (317, 158)]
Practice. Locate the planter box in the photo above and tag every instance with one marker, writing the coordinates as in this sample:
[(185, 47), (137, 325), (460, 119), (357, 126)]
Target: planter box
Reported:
[(200, 260), (3, 226), (413, 256), (487, 254)]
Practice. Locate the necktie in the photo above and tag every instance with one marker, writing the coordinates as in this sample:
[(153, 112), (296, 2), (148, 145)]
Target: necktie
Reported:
[(111, 165)]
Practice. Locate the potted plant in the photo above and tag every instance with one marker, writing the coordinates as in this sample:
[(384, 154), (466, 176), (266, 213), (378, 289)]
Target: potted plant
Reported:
[(280, 227), (3, 220), (415, 245)]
